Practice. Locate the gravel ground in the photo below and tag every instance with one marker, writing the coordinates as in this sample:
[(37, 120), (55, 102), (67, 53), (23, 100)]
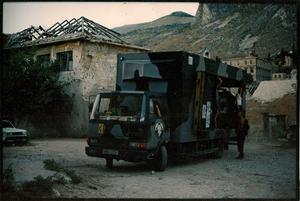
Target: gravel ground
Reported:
[(267, 171)]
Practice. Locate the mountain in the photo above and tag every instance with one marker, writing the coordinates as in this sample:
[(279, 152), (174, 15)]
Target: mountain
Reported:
[(225, 30), (175, 18)]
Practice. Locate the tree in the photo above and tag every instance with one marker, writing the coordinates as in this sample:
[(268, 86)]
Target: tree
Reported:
[(29, 86)]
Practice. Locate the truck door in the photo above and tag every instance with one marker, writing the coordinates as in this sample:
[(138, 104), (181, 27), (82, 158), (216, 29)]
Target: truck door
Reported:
[(158, 119)]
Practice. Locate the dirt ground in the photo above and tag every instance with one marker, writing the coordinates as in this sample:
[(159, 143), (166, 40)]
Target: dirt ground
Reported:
[(268, 171)]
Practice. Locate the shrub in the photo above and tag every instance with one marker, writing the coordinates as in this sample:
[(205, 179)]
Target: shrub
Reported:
[(75, 178), (51, 164), (38, 186), (8, 180)]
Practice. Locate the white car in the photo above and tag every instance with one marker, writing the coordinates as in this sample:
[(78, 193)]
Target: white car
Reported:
[(12, 134)]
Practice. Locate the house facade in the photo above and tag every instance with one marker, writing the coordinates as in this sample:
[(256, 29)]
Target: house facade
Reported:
[(87, 57), (260, 69), (279, 76)]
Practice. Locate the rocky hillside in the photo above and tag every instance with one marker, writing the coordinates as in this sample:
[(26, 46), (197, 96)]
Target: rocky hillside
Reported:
[(176, 18), (152, 33), (225, 30)]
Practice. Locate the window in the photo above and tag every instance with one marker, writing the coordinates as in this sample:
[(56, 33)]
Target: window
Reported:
[(65, 60), (250, 61), (245, 62), (43, 59), (120, 105), (155, 108), (251, 70), (6, 124)]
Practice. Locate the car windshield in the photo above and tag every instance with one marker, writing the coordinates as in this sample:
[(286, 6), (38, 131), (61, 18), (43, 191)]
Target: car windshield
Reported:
[(6, 124), (121, 105)]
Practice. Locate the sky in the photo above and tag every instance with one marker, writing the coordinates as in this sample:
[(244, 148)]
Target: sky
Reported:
[(18, 16)]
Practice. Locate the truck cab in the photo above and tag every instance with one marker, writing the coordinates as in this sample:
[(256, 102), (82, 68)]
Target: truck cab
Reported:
[(130, 126)]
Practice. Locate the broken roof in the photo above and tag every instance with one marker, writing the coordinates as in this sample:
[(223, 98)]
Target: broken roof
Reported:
[(81, 28), (268, 91)]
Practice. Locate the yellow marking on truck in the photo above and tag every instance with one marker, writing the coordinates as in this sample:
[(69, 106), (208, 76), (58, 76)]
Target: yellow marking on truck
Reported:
[(101, 128)]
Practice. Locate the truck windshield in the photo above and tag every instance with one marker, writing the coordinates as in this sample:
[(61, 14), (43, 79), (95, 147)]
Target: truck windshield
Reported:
[(121, 107)]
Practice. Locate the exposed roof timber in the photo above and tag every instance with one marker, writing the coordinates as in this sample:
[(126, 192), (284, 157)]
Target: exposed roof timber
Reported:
[(116, 34), (58, 28), (66, 28), (29, 34)]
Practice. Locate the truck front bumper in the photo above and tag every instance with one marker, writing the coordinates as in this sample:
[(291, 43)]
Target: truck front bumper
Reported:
[(127, 155)]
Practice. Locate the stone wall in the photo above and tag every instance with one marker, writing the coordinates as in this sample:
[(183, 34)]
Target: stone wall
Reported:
[(98, 66)]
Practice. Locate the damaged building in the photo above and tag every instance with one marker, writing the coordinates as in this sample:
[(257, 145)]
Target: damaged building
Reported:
[(87, 56), (272, 110)]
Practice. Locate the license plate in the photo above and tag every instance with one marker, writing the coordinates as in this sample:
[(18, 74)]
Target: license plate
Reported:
[(110, 152)]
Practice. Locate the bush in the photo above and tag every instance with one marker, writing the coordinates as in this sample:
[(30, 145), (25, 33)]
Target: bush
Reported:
[(8, 180), (51, 164), (71, 173), (38, 186), (31, 86)]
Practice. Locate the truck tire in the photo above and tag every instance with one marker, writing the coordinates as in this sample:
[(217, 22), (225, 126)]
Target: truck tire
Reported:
[(109, 163), (161, 160)]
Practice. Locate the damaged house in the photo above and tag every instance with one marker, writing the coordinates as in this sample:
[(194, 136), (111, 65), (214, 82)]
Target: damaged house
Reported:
[(87, 56), (272, 110)]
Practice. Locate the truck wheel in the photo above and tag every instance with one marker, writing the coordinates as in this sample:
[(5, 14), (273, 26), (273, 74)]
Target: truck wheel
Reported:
[(109, 163), (161, 160)]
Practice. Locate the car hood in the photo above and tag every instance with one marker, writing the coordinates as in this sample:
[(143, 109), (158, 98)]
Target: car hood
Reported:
[(13, 130)]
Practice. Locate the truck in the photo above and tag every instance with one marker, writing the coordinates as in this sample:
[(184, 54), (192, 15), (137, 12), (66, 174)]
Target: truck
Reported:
[(167, 105)]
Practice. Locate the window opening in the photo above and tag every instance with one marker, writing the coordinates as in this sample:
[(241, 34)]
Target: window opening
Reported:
[(65, 60)]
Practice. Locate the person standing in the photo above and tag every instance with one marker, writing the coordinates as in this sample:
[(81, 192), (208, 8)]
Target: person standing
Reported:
[(242, 132), (238, 97)]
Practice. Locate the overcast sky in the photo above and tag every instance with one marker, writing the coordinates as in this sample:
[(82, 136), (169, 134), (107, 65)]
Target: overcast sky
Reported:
[(19, 16)]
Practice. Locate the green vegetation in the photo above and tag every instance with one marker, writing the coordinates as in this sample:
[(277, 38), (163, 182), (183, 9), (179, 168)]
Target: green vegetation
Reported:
[(51, 164), (75, 178), (8, 180), (31, 86), (39, 186)]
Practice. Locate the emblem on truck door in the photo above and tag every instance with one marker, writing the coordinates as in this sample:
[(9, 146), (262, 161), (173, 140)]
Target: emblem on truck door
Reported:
[(101, 128), (159, 128)]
